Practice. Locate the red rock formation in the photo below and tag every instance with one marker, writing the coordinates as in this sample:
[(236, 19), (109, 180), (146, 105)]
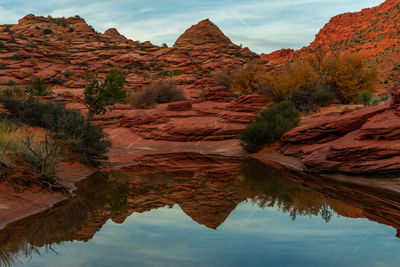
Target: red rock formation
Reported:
[(202, 34), (372, 32), (361, 141), (62, 50), (115, 35), (180, 106)]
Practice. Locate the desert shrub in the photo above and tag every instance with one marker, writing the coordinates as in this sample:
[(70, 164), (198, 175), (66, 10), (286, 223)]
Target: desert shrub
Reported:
[(84, 63), (9, 141), (11, 83), (16, 92), (2, 45), (297, 83), (15, 57), (169, 73), (269, 126), (98, 96), (348, 75), (58, 81), (374, 101), (147, 99), (92, 145), (248, 80), (86, 140), (364, 97), (39, 88), (159, 92), (323, 97), (33, 46), (47, 31), (317, 81), (43, 157), (69, 73), (223, 78)]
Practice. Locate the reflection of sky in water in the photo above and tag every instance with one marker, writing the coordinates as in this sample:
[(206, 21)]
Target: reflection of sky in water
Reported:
[(249, 237)]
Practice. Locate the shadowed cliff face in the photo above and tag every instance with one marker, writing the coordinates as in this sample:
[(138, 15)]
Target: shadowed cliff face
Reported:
[(207, 188)]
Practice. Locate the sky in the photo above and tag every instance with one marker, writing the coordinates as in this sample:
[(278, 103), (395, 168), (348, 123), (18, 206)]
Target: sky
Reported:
[(262, 25)]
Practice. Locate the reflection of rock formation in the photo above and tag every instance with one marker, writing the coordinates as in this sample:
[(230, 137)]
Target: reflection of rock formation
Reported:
[(207, 188)]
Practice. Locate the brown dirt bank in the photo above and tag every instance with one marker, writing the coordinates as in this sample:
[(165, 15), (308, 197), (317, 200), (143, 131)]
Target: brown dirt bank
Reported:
[(17, 202)]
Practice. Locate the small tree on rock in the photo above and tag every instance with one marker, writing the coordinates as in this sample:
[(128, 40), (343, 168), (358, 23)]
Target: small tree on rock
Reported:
[(39, 88), (99, 96)]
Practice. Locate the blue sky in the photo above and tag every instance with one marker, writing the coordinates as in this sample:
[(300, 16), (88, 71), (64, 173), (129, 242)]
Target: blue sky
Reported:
[(262, 25)]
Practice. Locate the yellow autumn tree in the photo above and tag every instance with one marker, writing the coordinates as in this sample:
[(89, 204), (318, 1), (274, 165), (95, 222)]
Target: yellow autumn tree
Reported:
[(348, 75), (248, 80), (296, 83)]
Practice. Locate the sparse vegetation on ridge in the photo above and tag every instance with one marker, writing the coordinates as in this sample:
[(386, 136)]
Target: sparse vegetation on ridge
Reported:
[(316, 81), (84, 139), (39, 154)]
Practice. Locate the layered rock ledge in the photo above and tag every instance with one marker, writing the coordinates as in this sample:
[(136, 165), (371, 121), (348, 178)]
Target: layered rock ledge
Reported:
[(364, 141)]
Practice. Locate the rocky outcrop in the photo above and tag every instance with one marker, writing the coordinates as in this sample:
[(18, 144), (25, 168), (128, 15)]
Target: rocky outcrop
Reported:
[(62, 50), (202, 34), (180, 106), (115, 35), (360, 141), (372, 33)]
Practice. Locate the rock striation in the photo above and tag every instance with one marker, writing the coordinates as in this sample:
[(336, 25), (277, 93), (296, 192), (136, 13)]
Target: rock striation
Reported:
[(360, 141), (372, 33)]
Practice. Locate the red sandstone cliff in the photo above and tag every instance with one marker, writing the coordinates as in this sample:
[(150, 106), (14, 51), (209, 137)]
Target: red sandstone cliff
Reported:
[(372, 32)]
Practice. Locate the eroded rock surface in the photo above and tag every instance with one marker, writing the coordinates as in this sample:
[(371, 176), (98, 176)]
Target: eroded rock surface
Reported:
[(361, 141), (372, 33)]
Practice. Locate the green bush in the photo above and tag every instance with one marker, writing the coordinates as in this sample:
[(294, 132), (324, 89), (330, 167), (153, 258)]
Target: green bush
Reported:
[(85, 139), (39, 88), (47, 31), (374, 101), (269, 126), (323, 97), (15, 57), (98, 96), (159, 92), (364, 97)]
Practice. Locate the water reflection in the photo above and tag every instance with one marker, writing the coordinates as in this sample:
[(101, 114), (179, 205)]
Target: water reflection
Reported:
[(207, 189), (269, 187)]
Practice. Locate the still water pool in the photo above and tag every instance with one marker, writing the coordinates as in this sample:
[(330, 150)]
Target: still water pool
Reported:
[(210, 212)]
